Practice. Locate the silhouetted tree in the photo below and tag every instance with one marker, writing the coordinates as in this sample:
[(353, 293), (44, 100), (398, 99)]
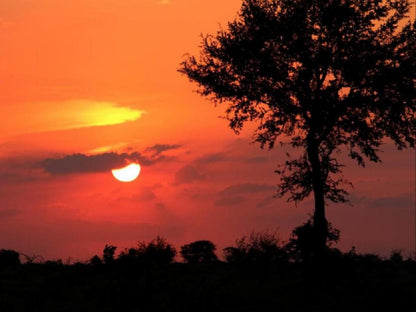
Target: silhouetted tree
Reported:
[(301, 243), (261, 247), (9, 257), (96, 260), (157, 251), (396, 256), (131, 256), (201, 251), (326, 75), (108, 254)]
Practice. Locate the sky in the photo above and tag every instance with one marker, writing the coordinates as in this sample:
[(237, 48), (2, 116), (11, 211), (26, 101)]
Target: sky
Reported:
[(87, 84)]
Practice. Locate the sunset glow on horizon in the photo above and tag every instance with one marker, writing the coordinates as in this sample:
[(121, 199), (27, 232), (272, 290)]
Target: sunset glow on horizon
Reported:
[(86, 84)]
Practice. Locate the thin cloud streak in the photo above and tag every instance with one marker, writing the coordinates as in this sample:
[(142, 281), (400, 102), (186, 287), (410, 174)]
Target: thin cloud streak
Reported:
[(63, 115), (157, 149), (246, 188)]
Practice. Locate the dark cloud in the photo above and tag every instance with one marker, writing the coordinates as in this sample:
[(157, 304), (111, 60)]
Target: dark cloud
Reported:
[(246, 188), (266, 202), (188, 174), (392, 203), (160, 206), (80, 163), (237, 193), (402, 201), (212, 158), (157, 149), (145, 194), (229, 201), (19, 169), (223, 156)]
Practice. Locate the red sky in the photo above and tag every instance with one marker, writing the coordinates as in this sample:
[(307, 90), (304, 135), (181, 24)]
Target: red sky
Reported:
[(85, 84)]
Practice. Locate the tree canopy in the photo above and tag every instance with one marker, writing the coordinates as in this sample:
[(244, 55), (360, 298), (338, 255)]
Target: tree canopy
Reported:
[(202, 251), (328, 76)]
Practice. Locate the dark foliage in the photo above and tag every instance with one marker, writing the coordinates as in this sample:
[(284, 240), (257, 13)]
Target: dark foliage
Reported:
[(257, 278), (201, 251), (9, 257), (396, 256), (332, 76), (258, 248), (155, 252), (356, 283), (108, 254), (301, 243), (96, 261)]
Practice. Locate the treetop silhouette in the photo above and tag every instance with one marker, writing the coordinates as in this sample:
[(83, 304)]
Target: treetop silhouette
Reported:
[(325, 75), (201, 251)]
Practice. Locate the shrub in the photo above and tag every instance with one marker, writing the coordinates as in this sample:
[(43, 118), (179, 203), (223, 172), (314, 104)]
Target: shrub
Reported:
[(9, 257), (157, 251), (396, 256), (96, 261), (108, 254), (263, 247), (201, 251), (301, 243)]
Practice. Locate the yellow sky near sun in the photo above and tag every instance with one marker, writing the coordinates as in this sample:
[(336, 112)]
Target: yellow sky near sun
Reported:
[(121, 56), (63, 116)]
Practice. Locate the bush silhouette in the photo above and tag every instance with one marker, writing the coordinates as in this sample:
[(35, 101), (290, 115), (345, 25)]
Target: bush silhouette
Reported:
[(301, 243), (201, 251), (9, 257), (263, 247), (96, 261), (157, 251), (396, 256), (130, 256), (108, 254)]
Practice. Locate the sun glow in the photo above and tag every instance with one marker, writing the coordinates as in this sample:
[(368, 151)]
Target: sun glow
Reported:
[(128, 173), (64, 115)]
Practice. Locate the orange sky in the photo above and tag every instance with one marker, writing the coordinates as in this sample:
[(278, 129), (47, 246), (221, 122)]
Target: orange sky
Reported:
[(98, 78)]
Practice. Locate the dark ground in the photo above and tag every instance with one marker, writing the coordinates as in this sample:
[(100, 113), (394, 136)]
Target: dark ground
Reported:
[(364, 285)]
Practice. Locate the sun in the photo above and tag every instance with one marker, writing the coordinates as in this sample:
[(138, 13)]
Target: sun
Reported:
[(128, 173)]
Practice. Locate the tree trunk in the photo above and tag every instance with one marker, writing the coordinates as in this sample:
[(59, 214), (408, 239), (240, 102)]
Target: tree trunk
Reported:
[(320, 223)]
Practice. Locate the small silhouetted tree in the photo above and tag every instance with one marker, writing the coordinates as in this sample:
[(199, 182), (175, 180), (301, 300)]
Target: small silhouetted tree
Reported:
[(131, 256), (158, 251), (201, 251), (260, 248), (9, 257), (96, 260), (108, 254), (327, 76), (396, 256)]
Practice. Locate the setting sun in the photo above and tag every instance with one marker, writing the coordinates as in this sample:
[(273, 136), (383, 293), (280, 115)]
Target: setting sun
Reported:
[(128, 173)]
